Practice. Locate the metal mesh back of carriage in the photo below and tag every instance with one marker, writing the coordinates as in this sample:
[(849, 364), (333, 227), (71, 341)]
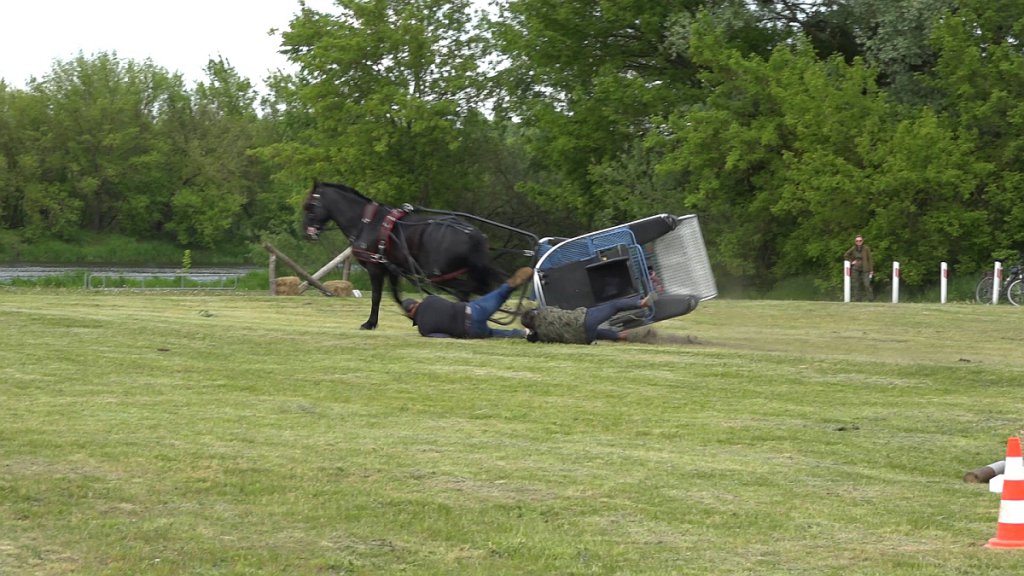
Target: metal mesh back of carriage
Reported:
[(680, 260)]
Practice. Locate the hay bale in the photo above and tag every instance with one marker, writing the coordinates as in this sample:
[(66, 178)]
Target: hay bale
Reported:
[(287, 286), (339, 287)]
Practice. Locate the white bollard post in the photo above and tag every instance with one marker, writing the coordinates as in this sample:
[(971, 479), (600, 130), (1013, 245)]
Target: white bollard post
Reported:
[(895, 282), (943, 282), (846, 280), (997, 281)]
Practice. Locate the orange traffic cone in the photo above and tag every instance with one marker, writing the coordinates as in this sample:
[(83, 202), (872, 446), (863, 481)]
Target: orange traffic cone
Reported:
[(1010, 530)]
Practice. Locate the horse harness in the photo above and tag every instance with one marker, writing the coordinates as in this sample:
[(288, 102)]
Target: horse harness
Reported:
[(377, 234), (378, 231)]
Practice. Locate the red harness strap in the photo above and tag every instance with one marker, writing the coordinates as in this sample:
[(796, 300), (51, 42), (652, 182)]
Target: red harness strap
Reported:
[(384, 234), (448, 276)]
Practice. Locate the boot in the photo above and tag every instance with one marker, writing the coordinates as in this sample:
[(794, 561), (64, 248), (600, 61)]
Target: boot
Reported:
[(520, 277), (648, 300)]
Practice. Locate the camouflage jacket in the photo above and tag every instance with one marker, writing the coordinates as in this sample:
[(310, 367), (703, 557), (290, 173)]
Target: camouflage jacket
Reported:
[(557, 325), (860, 258)]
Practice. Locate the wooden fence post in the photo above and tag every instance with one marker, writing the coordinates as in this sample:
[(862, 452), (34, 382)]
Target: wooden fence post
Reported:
[(272, 271), (298, 269)]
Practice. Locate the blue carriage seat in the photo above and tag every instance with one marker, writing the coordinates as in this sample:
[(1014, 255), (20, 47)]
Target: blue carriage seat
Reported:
[(663, 254)]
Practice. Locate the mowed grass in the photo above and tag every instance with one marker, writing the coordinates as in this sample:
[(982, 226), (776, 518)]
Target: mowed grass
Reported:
[(147, 433)]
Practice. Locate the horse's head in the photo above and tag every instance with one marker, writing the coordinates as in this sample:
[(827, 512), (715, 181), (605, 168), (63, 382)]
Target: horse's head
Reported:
[(315, 215), (337, 202)]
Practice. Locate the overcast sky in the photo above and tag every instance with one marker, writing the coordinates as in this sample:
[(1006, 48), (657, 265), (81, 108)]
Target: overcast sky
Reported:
[(180, 35)]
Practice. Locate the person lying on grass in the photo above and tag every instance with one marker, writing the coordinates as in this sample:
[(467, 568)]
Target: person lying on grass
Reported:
[(582, 325), (438, 317)]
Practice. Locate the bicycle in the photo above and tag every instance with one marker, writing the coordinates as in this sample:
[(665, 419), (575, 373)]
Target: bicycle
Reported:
[(1013, 286)]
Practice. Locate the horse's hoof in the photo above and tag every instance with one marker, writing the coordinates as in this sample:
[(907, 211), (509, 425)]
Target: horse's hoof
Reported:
[(368, 326)]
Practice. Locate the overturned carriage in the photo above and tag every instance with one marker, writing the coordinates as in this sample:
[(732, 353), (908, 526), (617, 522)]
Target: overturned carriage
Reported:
[(662, 254)]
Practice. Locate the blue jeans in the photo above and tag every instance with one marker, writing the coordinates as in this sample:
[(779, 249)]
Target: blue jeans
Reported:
[(603, 312), (483, 308)]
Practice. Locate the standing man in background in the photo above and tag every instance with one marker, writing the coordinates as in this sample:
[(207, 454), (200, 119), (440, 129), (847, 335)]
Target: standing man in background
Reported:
[(862, 269)]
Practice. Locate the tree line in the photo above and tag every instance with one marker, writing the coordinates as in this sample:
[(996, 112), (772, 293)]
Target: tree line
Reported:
[(786, 126)]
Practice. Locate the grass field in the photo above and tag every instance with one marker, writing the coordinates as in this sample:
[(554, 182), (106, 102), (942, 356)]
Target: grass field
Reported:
[(147, 433)]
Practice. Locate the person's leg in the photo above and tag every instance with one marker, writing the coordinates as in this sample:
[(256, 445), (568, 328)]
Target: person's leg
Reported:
[(868, 292), (608, 334), (857, 284), (505, 333), (603, 312), (484, 307)]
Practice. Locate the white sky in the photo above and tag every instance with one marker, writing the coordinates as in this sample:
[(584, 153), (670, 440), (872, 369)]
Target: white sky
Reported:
[(179, 35)]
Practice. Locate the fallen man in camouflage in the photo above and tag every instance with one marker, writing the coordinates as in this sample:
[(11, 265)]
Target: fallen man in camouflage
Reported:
[(582, 325)]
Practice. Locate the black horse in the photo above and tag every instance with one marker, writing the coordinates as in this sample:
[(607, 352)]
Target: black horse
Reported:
[(440, 251)]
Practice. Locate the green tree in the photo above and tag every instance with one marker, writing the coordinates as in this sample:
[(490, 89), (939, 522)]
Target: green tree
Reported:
[(892, 36), (790, 156), (924, 178), (384, 90), (895, 35), (731, 147), (586, 78), (17, 111), (223, 190), (980, 71), (98, 159), (830, 26)]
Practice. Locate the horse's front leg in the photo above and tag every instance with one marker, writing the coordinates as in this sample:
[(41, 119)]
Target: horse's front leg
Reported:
[(376, 290)]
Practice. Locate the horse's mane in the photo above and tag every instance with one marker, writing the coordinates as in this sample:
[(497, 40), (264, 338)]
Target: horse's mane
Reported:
[(341, 187)]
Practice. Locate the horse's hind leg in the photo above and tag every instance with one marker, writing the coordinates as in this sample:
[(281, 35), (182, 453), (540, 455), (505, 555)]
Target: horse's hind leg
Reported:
[(485, 278), (377, 289), (394, 280), (494, 277), (483, 275)]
